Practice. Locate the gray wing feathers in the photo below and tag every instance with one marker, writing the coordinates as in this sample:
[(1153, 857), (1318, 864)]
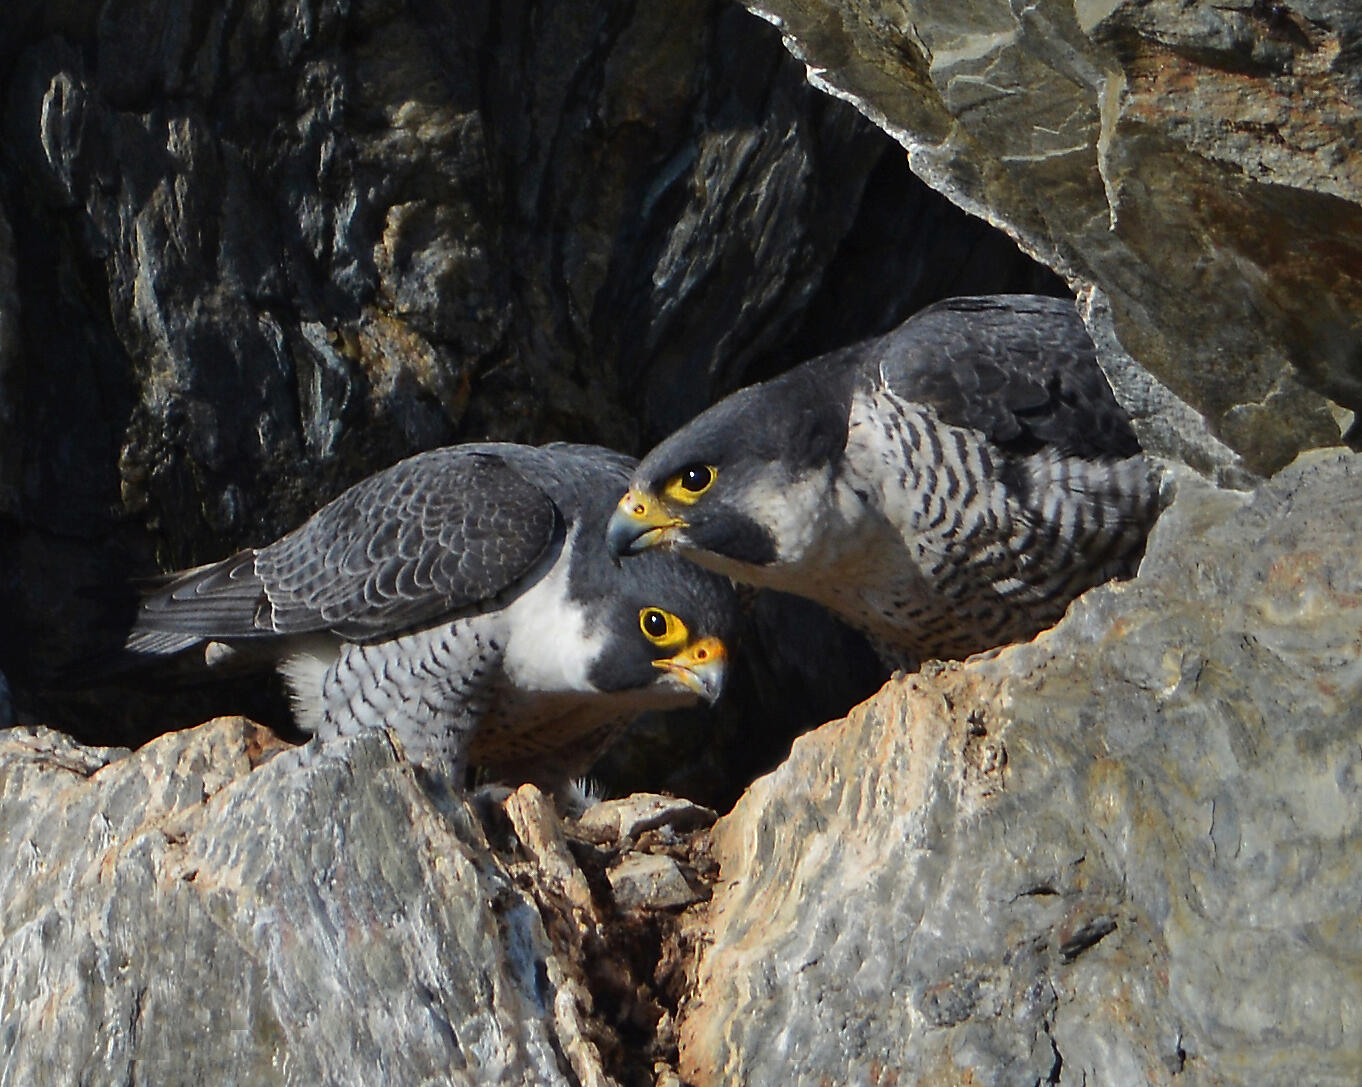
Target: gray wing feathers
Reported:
[(433, 535), (159, 642), (436, 534), (1019, 368)]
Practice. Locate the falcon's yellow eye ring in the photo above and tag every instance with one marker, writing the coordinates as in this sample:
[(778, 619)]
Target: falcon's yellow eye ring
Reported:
[(690, 483), (662, 628)]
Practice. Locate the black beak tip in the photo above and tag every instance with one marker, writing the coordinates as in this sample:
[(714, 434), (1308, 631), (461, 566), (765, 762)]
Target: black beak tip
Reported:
[(621, 539)]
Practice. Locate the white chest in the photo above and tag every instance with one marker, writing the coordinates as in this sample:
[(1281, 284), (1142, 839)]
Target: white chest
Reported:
[(547, 639)]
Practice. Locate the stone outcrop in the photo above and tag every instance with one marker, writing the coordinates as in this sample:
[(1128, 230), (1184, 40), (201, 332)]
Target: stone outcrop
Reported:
[(1197, 166), (220, 907), (1124, 853), (210, 909)]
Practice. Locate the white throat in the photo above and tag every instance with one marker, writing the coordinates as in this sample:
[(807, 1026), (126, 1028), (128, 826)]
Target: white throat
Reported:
[(558, 658)]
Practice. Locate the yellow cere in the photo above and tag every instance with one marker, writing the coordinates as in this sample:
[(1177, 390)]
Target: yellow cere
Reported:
[(690, 483), (662, 628)]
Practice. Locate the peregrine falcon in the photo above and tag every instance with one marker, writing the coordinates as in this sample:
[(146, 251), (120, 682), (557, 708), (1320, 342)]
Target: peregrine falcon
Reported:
[(464, 600), (946, 488)]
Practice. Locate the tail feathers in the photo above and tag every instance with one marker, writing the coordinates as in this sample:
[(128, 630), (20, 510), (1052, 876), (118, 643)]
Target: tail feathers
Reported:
[(191, 610), (1114, 492), (1085, 523), (158, 643), (1130, 489), (219, 600), (172, 657)]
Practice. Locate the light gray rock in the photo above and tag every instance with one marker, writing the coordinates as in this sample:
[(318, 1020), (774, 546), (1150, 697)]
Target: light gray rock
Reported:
[(217, 908), (1125, 853), (650, 881), (1197, 162), (632, 815)]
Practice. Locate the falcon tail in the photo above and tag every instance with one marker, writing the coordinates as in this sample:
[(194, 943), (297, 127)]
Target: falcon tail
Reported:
[(157, 643), (179, 617), (218, 600)]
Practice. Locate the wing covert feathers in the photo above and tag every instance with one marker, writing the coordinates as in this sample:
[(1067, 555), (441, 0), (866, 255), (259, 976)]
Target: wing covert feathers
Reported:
[(439, 533), (1019, 368)]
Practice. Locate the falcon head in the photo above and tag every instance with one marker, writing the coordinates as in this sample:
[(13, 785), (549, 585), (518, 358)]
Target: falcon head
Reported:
[(668, 628), (741, 487)]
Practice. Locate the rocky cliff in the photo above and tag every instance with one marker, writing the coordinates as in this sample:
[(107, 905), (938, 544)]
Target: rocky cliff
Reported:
[(1125, 853), (248, 254), (221, 907)]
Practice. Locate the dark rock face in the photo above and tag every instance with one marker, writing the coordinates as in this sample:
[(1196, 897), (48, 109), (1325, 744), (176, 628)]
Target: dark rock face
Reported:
[(259, 252)]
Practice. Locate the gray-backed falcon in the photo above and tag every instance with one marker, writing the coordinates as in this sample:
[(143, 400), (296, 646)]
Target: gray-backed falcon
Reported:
[(946, 488), (464, 600)]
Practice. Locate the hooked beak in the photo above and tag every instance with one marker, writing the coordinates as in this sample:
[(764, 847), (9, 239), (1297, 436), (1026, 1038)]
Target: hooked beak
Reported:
[(699, 667), (639, 522)]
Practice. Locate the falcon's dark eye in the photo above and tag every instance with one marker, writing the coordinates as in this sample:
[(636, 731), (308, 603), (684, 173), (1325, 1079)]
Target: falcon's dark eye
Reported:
[(662, 628), (697, 478), (691, 482)]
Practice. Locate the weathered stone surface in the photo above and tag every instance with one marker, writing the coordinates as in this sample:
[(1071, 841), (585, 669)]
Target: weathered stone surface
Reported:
[(219, 906), (631, 816), (1127, 852), (1199, 163), (650, 881), (216, 907), (1163, 421)]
